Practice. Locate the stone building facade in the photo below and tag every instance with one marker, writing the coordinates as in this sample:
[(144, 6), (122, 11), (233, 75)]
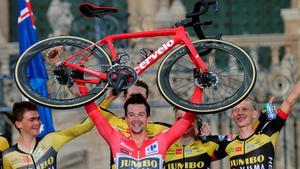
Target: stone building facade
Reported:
[(91, 152)]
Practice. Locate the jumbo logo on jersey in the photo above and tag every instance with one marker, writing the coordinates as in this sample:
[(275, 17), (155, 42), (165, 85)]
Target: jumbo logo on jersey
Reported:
[(190, 165), (152, 148), (132, 163), (255, 161), (46, 164)]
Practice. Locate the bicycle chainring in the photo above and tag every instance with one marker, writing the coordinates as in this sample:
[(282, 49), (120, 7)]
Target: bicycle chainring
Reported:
[(118, 73)]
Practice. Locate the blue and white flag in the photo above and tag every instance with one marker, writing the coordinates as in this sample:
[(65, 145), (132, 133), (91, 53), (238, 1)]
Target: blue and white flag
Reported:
[(36, 71)]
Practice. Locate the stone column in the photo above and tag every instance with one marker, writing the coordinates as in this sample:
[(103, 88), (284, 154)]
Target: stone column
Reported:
[(291, 19), (4, 24), (60, 17), (141, 14), (275, 55), (163, 16), (177, 10)]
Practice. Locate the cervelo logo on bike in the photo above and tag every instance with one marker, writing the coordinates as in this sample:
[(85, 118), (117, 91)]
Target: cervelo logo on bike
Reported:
[(154, 55)]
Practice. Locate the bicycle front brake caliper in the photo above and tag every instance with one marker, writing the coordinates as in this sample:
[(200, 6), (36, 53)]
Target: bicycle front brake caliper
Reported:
[(205, 79)]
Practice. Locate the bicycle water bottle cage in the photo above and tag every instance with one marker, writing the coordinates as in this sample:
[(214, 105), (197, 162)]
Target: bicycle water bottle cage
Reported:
[(121, 77), (123, 58), (145, 52), (89, 10), (205, 79)]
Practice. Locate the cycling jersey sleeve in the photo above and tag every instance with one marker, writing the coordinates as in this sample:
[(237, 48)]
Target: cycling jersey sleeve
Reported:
[(66, 135), (102, 125), (154, 128), (261, 122), (6, 164), (177, 130), (3, 143), (220, 153), (105, 103), (276, 125), (3, 146)]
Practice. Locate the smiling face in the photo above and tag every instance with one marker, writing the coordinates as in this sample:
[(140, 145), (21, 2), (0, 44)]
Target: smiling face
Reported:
[(137, 118), (30, 123), (244, 114)]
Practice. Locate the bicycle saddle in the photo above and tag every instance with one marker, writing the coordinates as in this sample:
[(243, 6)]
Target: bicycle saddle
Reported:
[(89, 10)]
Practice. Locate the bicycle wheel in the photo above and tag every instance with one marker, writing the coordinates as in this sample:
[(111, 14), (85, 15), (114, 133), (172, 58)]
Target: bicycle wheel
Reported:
[(231, 74), (61, 89)]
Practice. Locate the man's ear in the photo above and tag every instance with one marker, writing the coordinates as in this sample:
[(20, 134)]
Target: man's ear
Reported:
[(231, 114), (256, 114), (18, 124)]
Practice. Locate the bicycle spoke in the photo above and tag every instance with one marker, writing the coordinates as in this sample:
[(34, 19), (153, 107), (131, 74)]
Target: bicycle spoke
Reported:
[(181, 78), (185, 91)]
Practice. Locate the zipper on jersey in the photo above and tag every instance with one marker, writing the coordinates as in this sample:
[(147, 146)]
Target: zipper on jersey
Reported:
[(33, 161), (244, 152), (138, 155), (183, 155)]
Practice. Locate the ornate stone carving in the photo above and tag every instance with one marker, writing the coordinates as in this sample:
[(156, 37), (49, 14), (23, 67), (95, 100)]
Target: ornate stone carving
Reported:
[(60, 17)]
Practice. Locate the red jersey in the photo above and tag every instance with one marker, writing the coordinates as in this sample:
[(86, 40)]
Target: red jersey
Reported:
[(151, 153)]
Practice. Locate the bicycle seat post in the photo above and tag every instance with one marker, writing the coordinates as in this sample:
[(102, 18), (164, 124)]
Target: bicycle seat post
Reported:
[(105, 27)]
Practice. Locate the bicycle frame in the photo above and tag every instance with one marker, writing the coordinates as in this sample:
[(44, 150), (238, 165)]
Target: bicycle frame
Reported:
[(179, 36)]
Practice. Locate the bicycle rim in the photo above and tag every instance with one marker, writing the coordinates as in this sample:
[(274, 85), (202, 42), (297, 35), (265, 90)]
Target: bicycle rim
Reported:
[(232, 68), (61, 91)]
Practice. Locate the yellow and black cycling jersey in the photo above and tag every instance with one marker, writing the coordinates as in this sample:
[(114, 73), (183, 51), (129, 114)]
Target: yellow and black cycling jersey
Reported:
[(256, 151), (3, 146), (195, 155), (46, 149)]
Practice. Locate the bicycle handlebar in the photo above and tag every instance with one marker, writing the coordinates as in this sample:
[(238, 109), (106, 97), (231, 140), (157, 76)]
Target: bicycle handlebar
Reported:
[(205, 4), (200, 8)]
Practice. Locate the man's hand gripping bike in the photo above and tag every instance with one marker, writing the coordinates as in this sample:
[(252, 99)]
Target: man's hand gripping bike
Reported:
[(189, 67)]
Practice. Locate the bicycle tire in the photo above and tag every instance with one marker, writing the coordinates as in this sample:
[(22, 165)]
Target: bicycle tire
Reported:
[(231, 87), (62, 96)]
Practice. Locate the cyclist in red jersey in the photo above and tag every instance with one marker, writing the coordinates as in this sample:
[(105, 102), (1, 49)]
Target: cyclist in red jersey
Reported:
[(138, 150)]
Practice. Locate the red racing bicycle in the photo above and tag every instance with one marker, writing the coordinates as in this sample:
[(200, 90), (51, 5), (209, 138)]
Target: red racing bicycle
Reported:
[(187, 66)]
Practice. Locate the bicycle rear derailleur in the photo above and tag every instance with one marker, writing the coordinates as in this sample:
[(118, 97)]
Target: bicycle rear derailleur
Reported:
[(121, 77)]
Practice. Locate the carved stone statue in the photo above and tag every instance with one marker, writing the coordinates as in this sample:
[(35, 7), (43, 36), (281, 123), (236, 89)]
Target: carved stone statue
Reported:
[(60, 17)]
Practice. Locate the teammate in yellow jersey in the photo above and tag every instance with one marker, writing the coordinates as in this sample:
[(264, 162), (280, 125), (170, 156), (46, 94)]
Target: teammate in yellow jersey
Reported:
[(189, 151), (3, 146), (254, 148), (30, 152)]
